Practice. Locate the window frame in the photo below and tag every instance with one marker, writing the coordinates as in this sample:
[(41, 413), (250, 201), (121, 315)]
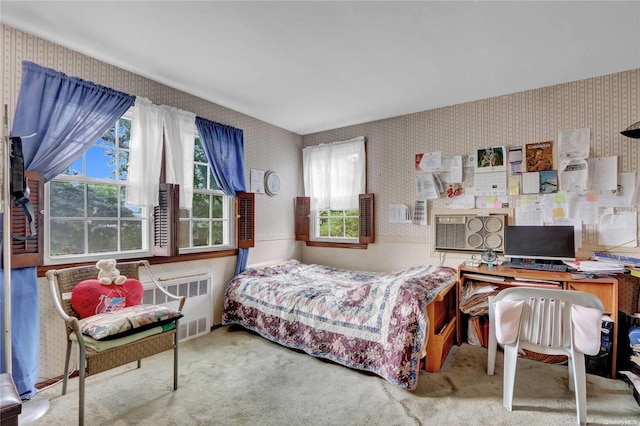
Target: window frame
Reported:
[(148, 219), (144, 214), (315, 227), (307, 220)]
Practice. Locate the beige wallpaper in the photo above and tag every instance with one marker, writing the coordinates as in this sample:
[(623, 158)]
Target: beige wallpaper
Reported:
[(606, 105), (266, 147)]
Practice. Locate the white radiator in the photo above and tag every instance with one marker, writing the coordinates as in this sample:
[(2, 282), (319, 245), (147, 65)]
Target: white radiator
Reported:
[(195, 286)]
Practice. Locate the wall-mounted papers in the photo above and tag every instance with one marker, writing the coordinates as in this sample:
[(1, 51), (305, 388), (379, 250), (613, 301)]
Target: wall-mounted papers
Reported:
[(451, 169), (583, 207), (515, 160), (464, 201), (490, 183), (427, 186), (529, 211), (573, 176), (616, 229), (531, 183), (399, 213), (603, 173), (257, 181), (429, 162), (574, 144), (622, 196), (492, 202)]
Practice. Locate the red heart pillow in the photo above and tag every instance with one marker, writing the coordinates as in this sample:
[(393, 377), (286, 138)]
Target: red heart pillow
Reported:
[(91, 297)]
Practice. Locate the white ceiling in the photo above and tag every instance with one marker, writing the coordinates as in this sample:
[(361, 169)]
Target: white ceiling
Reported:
[(312, 66)]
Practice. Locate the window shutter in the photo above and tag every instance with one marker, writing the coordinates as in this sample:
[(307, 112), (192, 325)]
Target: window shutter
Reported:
[(28, 252), (302, 212), (245, 214), (367, 235), (166, 220)]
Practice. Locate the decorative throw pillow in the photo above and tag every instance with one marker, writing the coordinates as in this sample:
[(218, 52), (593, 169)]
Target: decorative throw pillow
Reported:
[(132, 319), (91, 297)]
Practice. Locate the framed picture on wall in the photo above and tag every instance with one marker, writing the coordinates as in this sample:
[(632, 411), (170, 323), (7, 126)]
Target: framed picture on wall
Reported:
[(491, 160)]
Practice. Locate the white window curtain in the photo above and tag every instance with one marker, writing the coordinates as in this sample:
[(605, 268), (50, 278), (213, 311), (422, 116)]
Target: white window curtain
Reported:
[(334, 174), (179, 130), (145, 154)]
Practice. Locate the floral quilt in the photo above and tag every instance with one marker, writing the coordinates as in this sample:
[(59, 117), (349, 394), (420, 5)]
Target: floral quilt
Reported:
[(372, 321)]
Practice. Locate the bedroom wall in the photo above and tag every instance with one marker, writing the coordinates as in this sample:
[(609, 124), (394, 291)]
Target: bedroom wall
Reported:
[(606, 105), (266, 146)]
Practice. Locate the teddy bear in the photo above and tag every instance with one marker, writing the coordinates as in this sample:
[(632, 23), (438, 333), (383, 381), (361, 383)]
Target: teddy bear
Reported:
[(108, 273)]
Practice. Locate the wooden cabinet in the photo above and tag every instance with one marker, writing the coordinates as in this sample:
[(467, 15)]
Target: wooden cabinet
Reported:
[(606, 289)]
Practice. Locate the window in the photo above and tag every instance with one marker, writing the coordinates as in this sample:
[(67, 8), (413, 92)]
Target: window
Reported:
[(87, 216), (207, 223), (335, 182), (337, 224)]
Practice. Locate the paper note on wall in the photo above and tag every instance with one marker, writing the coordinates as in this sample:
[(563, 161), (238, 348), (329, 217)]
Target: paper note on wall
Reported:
[(574, 143), (399, 213), (531, 183), (582, 207), (603, 173), (426, 187), (618, 229), (623, 194), (451, 169)]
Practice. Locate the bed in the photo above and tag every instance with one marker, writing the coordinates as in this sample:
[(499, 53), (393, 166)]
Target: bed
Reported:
[(381, 322)]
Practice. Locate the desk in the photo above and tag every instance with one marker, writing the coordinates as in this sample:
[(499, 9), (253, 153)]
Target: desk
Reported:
[(606, 289)]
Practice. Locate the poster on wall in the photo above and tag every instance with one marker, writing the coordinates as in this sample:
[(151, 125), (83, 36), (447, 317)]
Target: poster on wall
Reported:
[(539, 156), (491, 160), (548, 181)]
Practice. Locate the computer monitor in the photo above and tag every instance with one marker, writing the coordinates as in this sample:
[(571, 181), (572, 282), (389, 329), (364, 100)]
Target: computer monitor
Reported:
[(539, 242)]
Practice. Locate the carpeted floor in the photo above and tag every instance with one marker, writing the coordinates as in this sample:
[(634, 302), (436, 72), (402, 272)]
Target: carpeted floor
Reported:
[(233, 377)]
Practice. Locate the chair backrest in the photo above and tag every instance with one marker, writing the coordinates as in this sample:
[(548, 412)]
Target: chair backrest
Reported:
[(546, 315), (66, 279)]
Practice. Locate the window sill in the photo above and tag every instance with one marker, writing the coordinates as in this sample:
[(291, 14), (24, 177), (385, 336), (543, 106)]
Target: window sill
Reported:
[(154, 260), (360, 246)]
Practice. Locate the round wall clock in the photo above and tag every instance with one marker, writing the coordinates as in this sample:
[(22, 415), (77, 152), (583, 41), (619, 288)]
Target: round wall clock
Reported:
[(272, 183)]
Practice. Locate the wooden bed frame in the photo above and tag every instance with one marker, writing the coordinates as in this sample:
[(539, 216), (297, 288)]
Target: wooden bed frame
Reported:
[(442, 325)]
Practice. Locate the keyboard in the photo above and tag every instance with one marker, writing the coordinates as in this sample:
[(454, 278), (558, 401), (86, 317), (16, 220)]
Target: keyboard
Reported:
[(550, 267)]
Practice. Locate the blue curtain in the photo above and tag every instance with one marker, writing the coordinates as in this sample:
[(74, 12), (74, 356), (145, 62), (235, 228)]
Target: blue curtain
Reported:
[(25, 328), (224, 146), (67, 114)]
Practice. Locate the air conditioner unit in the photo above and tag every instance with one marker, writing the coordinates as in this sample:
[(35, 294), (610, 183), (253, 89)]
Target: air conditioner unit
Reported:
[(469, 232)]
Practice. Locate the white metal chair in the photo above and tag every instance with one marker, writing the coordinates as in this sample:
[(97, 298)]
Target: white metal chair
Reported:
[(545, 326)]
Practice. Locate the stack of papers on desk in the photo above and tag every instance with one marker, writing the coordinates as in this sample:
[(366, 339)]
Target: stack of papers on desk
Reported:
[(596, 267), (474, 299)]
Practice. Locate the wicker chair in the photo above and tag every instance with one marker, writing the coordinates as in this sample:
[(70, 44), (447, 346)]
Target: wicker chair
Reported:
[(61, 284)]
